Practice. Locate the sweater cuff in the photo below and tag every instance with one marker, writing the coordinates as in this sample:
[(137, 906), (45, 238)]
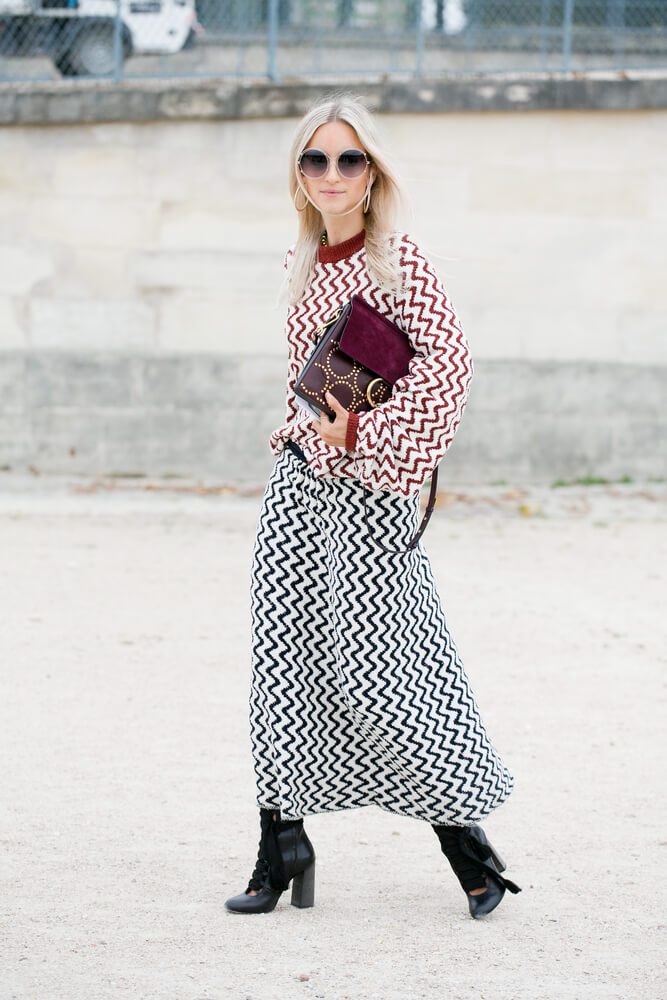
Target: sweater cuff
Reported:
[(351, 432)]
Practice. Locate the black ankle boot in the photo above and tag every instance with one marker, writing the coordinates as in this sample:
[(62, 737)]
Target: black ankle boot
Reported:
[(476, 864), (285, 854)]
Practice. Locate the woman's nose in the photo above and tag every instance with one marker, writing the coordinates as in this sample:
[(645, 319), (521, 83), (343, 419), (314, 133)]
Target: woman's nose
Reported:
[(332, 170)]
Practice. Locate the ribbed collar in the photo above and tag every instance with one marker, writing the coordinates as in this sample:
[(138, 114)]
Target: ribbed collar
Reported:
[(331, 255)]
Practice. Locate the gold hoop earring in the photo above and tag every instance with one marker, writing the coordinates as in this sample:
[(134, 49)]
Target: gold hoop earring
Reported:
[(299, 191), (367, 199)]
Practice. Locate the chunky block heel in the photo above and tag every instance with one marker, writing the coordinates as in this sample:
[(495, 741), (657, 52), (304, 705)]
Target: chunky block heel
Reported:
[(303, 887), (476, 864), (285, 855), (497, 860)]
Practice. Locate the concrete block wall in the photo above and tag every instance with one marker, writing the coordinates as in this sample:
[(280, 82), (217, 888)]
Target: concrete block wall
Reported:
[(192, 415), (140, 265)]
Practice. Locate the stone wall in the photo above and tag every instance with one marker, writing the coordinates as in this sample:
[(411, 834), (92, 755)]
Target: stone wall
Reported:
[(66, 101), (140, 265)]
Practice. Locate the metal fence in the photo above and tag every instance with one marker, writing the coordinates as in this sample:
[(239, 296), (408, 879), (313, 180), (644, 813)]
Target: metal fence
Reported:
[(46, 39)]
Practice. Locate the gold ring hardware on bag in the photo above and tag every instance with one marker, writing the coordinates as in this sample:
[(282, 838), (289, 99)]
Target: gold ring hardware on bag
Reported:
[(369, 391)]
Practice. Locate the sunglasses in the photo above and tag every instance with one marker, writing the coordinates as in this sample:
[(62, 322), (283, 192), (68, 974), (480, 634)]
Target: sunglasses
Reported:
[(350, 163)]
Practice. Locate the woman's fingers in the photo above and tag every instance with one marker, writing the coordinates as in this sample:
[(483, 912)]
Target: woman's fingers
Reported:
[(339, 410), (333, 431)]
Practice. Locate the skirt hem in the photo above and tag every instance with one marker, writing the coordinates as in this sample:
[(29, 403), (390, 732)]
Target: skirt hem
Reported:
[(441, 819)]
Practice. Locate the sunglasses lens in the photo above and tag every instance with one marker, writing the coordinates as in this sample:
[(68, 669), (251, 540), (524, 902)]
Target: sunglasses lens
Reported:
[(313, 163), (351, 163)]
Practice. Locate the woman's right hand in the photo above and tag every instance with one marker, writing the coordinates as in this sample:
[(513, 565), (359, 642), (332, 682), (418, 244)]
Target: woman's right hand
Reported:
[(333, 431)]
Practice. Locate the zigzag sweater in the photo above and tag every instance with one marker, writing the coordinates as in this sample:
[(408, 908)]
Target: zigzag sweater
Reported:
[(397, 445)]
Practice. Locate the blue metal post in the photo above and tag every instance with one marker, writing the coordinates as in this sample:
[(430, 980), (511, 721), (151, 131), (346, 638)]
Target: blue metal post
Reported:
[(568, 13), (117, 44), (273, 40), (616, 21), (419, 54), (544, 33)]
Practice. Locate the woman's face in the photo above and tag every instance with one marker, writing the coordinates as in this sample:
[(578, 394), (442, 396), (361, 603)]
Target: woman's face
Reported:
[(333, 194)]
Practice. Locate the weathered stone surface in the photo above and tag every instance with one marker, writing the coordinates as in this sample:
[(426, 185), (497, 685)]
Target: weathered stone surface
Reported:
[(81, 324), (93, 272), (142, 266), (93, 222), (151, 99), (84, 382), (21, 268), (641, 336), (225, 272), (16, 442), (211, 417), (100, 173), (658, 197), (193, 324), (560, 191), (12, 333), (13, 383)]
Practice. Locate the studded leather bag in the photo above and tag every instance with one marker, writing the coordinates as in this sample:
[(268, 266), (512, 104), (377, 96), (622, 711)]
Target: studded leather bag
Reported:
[(358, 357)]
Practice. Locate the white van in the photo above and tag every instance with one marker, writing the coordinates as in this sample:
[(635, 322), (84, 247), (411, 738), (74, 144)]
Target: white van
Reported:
[(83, 36)]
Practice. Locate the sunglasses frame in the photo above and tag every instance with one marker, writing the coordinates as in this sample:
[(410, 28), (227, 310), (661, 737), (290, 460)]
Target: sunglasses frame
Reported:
[(352, 149)]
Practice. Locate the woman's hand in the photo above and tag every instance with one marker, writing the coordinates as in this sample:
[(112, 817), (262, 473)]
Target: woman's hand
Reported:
[(333, 432)]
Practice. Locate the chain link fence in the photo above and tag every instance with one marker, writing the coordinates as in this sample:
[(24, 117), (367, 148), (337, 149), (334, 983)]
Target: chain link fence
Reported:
[(46, 39)]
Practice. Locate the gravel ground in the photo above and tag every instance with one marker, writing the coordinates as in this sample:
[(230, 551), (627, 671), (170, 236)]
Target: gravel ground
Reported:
[(127, 811)]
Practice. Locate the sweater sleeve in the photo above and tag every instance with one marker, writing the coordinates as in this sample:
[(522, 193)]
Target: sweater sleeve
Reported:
[(399, 444)]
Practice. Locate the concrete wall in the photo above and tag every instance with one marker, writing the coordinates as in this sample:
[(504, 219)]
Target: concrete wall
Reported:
[(140, 264)]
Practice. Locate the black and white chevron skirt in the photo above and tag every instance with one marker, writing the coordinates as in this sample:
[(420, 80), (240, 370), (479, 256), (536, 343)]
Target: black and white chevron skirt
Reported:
[(358, 695)]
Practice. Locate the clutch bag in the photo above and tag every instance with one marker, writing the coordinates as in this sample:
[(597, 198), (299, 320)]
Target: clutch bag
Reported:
[(359, 355)]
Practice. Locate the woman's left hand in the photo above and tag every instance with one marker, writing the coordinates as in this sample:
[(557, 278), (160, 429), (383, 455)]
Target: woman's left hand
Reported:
[(333, 432)]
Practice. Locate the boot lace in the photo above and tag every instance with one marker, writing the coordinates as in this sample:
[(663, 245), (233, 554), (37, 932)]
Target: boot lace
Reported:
[(260, 875), (470, 874)]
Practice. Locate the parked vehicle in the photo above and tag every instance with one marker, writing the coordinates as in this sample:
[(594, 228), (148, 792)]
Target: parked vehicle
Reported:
[(89, 37)]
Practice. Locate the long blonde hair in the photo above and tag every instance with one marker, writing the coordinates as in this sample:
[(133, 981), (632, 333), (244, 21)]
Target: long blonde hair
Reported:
[(385, 201)]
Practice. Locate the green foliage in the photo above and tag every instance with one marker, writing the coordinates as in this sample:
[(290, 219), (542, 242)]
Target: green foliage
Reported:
[(592, 481)]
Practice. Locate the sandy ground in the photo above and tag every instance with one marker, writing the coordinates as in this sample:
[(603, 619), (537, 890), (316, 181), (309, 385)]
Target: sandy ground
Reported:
[(126, 787)]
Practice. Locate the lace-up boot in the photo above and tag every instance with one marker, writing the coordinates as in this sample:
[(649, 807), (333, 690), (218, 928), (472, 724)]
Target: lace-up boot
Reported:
[(285, 855), (476, 864)]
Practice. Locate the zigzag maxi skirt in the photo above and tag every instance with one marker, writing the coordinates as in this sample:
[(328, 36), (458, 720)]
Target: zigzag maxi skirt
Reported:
[(358, 696)]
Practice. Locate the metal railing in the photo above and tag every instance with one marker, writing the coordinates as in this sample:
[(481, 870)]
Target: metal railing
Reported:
[(46, 39)]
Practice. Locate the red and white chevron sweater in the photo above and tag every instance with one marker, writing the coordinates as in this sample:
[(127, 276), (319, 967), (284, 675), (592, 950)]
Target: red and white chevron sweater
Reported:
[(397, 445)]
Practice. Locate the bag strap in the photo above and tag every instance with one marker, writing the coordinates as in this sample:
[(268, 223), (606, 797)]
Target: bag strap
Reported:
[(420, 530)]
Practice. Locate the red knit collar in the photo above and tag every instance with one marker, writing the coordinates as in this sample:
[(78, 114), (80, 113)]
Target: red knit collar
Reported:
[(331, 255)]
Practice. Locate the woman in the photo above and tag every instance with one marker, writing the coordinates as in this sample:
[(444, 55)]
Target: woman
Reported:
[(358, 695)]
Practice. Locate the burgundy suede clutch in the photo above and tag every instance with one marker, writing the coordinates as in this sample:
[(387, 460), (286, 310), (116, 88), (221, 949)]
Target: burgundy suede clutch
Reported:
[(358, 357)]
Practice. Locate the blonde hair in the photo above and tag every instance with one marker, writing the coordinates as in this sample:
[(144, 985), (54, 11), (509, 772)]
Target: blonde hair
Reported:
[(385, 201)]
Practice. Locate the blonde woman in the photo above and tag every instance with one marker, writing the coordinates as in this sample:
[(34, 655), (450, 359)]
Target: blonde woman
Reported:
[(358, 695)]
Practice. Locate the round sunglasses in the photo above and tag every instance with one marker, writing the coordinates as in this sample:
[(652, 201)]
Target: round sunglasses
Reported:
[(350, 163)]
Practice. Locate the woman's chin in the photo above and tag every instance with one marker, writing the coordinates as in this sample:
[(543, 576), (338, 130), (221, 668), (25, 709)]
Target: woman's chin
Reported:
[(331, 208)]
